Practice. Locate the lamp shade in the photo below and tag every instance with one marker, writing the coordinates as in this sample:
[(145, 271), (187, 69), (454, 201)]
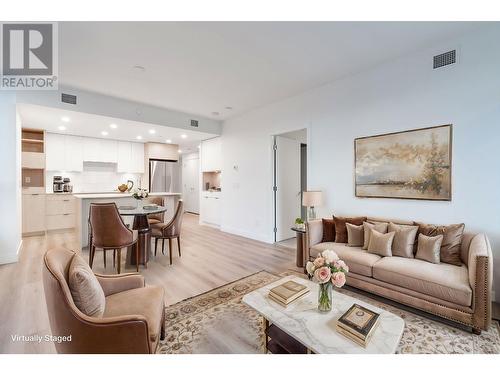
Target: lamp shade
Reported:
[(312, 198)]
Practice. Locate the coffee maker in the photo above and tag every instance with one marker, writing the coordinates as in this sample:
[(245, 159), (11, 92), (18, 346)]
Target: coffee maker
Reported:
[(67, 187), (58, 184)]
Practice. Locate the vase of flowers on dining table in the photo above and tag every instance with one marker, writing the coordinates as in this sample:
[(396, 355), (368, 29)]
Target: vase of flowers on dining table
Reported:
[(139, 194), (328, 271)]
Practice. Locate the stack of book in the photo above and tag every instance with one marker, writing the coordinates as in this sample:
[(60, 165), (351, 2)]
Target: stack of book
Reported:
[(358, 324), (287, 292)]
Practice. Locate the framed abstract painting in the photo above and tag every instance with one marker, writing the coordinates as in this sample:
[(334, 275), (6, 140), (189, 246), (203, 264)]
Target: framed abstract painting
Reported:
[(412, 164)]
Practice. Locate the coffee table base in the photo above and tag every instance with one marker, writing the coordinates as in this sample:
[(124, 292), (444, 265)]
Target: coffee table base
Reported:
[(279, 342)]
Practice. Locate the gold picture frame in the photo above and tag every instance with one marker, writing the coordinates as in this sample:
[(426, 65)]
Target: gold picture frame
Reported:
[(410, 164)]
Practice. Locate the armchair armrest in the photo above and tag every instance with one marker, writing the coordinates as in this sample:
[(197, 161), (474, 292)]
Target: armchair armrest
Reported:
[(480, 279), (112, 284)]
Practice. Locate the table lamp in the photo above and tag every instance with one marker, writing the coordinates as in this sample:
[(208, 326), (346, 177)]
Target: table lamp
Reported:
[(312, 199)]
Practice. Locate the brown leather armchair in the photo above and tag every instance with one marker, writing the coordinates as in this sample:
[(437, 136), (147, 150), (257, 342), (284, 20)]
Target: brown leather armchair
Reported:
[(169, 231), (133, 320)]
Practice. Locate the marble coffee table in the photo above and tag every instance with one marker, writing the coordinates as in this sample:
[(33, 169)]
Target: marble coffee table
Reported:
[(315, 330)]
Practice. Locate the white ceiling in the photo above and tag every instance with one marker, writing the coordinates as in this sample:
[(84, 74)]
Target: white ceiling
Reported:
[(89, 125), (202, 67)]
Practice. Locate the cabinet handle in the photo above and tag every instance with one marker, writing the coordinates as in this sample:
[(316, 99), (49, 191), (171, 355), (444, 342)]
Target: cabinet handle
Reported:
[(66, 200), (65, 214)]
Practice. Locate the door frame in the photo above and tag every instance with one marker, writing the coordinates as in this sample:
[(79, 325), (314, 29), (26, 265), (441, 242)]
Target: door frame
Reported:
[(273, 191)]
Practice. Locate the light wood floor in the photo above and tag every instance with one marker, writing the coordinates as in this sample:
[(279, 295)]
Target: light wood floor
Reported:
[(210, 258)]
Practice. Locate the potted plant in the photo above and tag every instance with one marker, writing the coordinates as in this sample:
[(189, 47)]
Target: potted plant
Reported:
[(299, 223), (328, 271)]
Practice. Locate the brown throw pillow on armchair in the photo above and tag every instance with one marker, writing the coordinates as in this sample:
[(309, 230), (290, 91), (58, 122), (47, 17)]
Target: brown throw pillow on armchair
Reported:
[(341, 229), (452, 240), (328, 230)]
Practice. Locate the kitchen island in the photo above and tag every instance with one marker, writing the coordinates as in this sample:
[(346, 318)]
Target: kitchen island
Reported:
[(84, 200)]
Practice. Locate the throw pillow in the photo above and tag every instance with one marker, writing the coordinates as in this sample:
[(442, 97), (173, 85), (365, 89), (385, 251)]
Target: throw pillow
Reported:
[(341, 229), (379, 227), (404, 239), (354, 234), (429, 247), (85, 288), (328, 230), (381, 243), (452, 240)]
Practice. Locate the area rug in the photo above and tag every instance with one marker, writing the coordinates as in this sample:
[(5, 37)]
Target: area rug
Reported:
[(217, 322)]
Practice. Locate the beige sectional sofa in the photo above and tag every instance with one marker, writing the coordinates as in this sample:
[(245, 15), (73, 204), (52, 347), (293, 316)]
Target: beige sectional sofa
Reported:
[(461, 294)]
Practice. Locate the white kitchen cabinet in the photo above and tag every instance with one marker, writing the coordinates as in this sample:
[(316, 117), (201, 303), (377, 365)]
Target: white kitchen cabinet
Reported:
[(108, 150), (55, 149), (60, 211), (91, 149), (211, 158), (33, 213), (137, 158), (210, 208), (124, 157), (73, 154)]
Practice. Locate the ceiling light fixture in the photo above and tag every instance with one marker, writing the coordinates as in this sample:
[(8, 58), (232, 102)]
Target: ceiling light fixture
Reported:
[(152, 131), (65, 119), (104, 133), (184, 136), (113, 126), (168, 141), (139, 137), (179, 151), (61, 127)]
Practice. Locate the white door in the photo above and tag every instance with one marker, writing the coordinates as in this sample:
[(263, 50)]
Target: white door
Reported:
[(288, 186), (191, 185)]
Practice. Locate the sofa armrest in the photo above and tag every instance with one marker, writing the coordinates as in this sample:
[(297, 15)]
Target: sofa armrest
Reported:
[(314, 234), (112, 284), (480, 279)]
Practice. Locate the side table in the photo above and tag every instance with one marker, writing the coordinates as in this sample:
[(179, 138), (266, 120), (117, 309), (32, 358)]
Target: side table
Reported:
[(301, 246)]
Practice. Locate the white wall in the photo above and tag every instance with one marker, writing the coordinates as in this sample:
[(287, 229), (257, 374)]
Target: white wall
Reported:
[(398, 95), (10, 179)]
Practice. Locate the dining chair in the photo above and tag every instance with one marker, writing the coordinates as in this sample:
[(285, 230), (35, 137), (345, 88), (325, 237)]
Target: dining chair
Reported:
[(156, 218), (109, 232), (92, 248), (170, 231)]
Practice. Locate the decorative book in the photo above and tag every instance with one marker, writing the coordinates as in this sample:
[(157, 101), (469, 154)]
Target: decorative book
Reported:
[(358, 324), (287, 292)]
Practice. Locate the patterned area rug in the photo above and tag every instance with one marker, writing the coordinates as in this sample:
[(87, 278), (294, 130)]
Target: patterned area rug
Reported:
[(217, 322)]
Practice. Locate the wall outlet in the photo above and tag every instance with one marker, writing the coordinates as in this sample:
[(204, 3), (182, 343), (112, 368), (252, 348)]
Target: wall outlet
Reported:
[(27, 180)]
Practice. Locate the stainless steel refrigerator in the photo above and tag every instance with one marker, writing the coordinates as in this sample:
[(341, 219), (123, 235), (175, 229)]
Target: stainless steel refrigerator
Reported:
[(164, 176)]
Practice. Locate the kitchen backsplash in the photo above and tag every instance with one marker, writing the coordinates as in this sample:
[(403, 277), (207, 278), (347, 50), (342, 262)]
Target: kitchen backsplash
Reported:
[(96, 177)]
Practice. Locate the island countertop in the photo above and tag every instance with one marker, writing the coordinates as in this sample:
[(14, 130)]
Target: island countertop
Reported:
[(119, 195)]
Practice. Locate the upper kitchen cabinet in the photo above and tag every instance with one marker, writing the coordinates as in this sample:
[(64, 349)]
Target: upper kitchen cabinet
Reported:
[(211, 155), (130, 157), (64, 152), (100, 150)]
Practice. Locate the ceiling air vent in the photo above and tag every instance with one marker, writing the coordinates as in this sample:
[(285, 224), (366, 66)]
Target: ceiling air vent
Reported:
[(445, 59), (67, 98), (194, 123)]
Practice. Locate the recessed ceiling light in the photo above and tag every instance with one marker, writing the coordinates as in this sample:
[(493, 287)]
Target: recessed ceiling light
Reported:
[(199, 146), (65, 119), (139, 137), (152, 131), (215, 113), (61, 127), (179, 151), (104, 132), (184, 136), (168, 141), (113, 126), (229, 108)]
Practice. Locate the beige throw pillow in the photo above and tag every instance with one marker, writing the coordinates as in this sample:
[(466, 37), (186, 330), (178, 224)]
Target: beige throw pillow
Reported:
[(429, 248), (404, 238), (85, 288), (381, 243), (452, 240), (379, 227), (354, 234)]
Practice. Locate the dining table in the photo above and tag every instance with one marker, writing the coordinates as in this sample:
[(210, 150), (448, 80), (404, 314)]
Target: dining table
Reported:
[(141, 225)]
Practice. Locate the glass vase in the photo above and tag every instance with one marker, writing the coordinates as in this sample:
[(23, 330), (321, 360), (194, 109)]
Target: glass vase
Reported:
[(325, 297)]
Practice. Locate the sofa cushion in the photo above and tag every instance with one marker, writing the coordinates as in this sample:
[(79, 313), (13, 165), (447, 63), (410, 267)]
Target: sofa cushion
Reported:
[(147, 301), (85, 289), (404, 239), (452, 240), (428, 248), (354, 234), (341, 229), (381, 243), (359, 261), (443, 281), (328, 230), (367, 228)]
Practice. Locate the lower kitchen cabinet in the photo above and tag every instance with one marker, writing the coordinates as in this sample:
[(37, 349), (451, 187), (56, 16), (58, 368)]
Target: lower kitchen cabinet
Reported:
[(60, 211), (210, 208), (33, 213)]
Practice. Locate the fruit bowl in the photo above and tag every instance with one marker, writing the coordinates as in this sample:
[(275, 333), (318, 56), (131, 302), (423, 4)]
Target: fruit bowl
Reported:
[(123, 188)]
